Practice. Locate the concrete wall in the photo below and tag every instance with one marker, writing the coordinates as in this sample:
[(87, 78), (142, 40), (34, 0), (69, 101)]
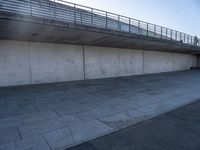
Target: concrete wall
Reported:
[(32, 62), (55, 62), (103, 62), (183, 61), (155, 62), (14, 63)]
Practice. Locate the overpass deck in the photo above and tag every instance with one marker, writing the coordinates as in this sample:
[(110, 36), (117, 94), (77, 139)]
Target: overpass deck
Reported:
[(64, 22)]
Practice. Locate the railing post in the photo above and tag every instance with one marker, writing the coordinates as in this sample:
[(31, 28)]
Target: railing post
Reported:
[(106, 20), (119, 23), (30, 6), (191, 40), (155, 30), (166, 32), (81, 16), (147, 29), (180, 36), (129, 25), (176, 36), (161, 32), (139, 27), (54, 9), (1, 3), (184, 38), (171, 34), (74, 13), (92, 16)]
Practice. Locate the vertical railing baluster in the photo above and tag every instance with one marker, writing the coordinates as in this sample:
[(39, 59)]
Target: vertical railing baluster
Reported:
[(154, 30), (31, 6), (191, 40), (81, 13), (147, 29), (129, 25), (176, 36), (171, 34), (92, 15), (181, 37), (74, 13), (161, 32), (119, 22), (188, 39), (54, 5), (1, 4), (106, 20), (139, 27)]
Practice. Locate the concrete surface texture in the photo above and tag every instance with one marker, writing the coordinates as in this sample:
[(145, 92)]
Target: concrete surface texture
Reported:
[(32, 62), (61, 115), (175, 130)]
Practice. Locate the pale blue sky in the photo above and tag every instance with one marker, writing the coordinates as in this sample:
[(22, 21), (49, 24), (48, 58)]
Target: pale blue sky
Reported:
[(181, 15)]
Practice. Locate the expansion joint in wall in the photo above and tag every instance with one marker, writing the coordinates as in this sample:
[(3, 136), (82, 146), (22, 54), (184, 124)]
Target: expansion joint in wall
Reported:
[(83, 48)]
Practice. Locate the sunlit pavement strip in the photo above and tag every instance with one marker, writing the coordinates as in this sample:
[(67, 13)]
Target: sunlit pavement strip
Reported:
[(58, 116)]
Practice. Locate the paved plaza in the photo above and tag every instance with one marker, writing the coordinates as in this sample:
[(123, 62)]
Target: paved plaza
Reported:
[(176, 130), (60, 115)]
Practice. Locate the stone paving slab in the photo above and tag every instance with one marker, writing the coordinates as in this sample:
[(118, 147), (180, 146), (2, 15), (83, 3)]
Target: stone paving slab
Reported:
[(119, 121), (59, 139), (176, 130), (88, 130), (40, 127), (8, 135), (32, 143), (60, 115), (9, 146), (18, 121)]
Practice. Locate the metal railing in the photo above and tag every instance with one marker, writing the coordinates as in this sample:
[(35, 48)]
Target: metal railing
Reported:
[(78, 14)]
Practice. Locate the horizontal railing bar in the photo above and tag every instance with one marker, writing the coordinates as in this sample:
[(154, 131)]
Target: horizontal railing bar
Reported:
[(68, 11)]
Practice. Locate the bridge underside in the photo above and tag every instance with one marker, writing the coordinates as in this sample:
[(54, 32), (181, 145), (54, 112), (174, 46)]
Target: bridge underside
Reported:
[(27, 28)]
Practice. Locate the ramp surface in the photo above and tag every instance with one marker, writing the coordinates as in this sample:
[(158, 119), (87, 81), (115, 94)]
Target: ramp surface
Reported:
[(61, 115), (176, 130)]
